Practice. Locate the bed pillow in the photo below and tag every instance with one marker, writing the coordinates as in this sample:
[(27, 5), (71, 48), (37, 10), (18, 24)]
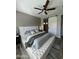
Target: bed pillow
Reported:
[(27, 33), (36, 31), (32, 31)]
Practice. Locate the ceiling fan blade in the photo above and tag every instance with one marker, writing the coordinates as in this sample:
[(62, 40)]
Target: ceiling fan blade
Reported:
[(46, 4), (50, 9), (40, 12), (45, 12), (37, 8)]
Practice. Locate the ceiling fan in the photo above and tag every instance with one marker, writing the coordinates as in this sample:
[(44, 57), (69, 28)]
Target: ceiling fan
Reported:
[(45, 8)]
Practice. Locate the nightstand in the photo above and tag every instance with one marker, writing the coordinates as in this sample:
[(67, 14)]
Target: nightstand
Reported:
[(18, 39)]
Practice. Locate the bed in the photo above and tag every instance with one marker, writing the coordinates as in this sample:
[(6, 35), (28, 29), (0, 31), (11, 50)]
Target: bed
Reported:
[(37, 44)]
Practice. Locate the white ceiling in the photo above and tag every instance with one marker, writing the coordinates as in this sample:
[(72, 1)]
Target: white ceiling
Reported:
[(27, 6)]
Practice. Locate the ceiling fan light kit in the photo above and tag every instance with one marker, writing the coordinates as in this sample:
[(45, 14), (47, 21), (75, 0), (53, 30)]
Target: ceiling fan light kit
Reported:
[(45, 8)]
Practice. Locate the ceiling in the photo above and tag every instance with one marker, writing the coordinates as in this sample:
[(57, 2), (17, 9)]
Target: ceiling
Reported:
[(27, 6)]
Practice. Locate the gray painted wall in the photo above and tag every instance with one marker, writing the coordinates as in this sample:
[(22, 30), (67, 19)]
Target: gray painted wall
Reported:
[(23, 19)]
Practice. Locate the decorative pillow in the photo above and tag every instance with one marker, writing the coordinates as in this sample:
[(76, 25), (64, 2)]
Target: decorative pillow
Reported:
[(36, 31), (32, 31), (27, 32)]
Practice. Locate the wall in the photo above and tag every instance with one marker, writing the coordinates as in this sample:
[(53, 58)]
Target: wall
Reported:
[(23, 19), (58, 26), (55, 25), (52, 21)]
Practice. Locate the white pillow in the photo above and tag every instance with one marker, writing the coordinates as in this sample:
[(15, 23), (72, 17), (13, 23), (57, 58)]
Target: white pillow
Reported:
[(36, 30), (32, 32), (26, 34)]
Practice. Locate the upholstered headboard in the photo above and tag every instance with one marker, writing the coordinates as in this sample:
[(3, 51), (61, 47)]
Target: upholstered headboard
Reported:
[(22, 29)]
